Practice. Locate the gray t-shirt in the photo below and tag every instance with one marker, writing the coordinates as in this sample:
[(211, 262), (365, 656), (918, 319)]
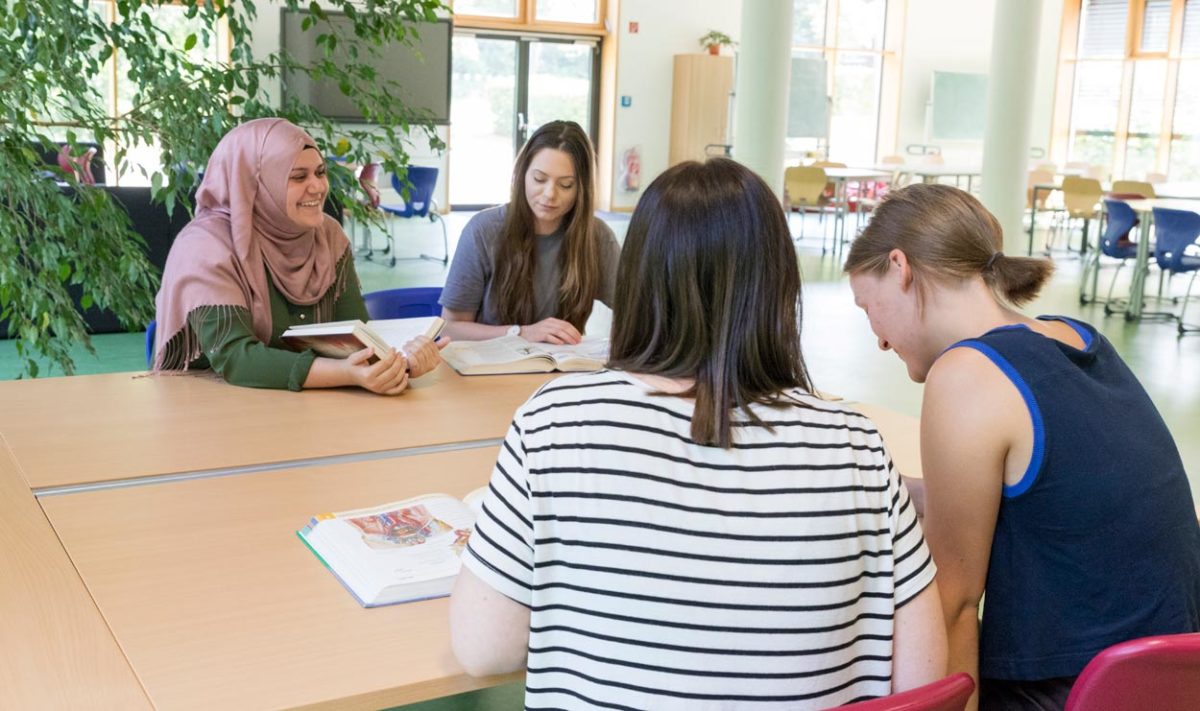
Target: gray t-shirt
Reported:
[(469, 284)]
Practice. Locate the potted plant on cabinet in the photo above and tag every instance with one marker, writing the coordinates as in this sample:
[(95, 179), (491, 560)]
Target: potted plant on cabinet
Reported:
[(714, 40)]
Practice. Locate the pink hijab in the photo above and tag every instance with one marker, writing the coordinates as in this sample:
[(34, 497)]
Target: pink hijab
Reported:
[(240, 231)]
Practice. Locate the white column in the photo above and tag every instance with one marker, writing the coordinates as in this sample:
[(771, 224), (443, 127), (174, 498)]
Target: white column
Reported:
[(763, 69), (1011, 80)]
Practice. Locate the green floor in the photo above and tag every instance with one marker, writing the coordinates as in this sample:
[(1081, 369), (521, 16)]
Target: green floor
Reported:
[(840, 349)]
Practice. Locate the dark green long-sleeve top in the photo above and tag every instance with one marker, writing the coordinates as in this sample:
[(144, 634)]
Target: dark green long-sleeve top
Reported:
[(230, 347)]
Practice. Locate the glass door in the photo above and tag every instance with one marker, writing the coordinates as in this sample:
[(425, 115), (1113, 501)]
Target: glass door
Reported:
[(504, 87)]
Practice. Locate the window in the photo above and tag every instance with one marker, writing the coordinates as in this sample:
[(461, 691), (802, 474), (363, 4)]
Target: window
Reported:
[(847, 39), (553, 15), (117, 91), (582, 11), (487, 8), (1128, 79), (517, 64)]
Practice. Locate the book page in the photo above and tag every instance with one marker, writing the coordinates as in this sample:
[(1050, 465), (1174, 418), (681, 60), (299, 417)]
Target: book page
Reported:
[(324, 326), (465, 355), (589, 354), (398, 331)]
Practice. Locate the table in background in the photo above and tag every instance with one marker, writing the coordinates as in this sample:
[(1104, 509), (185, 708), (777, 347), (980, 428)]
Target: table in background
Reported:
[(934, 173), (1142, 261), (1167, 191), (841, 178), (105, 428)]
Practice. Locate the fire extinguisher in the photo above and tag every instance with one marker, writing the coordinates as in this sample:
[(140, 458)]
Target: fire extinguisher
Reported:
[(632, 163)]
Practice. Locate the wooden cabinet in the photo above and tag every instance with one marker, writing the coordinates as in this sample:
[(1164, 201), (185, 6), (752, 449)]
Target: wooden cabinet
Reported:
[(699, 105)]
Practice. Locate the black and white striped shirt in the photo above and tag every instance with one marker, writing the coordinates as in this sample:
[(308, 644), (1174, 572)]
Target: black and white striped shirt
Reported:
[(664, 574)]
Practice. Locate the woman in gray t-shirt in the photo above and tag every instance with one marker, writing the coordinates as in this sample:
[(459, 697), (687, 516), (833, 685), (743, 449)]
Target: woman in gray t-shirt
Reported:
[(533, 267)]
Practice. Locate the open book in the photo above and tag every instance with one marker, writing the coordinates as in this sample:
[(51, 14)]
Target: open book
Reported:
[(513, 354), (398, 552), (341, 339)]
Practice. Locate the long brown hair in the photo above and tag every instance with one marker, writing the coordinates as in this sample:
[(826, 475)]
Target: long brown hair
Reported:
[(709, 289), (579, 260), (946, 234)]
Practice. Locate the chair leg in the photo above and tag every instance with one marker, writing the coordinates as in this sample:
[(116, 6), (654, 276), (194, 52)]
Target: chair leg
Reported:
[(1090, 266), (1182, 326), (1112, 285), (390, 249), (445, 258)]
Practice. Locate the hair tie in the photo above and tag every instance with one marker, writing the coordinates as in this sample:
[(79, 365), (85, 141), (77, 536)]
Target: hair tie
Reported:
[(992, 260)]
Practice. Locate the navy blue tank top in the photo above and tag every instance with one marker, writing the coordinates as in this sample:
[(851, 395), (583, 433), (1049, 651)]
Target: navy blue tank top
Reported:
[(1098, 542)]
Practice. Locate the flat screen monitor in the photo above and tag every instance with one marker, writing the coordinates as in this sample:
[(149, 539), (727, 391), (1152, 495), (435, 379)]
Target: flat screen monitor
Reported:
[(422, 70)]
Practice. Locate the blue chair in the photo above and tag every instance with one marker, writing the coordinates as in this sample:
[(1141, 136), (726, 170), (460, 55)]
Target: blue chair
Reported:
[(1114, 243), (414, 302), (419, 202), (150, 329), (1175, 231)]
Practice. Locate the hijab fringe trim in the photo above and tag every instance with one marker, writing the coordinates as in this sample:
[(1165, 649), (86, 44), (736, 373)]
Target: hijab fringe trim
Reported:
[(183, 348)]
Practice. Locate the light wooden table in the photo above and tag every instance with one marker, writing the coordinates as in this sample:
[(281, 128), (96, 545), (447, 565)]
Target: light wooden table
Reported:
[(901, 434), (219, 605), (102, 428), (58, 651)]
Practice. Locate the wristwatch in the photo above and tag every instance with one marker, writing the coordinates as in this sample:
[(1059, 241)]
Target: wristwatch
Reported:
[(514, 330)]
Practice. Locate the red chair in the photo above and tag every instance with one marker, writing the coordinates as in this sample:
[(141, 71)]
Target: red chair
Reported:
[(1160, 673), (949, 694)]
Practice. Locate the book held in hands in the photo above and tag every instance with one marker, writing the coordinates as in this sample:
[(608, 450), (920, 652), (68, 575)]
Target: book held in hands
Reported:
[(513, 354), (341, 339), (398, 552)]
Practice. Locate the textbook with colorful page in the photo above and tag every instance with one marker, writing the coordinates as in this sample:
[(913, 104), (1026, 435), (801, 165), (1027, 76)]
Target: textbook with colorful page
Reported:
[(513, 354), (398, 552), (341, 339)]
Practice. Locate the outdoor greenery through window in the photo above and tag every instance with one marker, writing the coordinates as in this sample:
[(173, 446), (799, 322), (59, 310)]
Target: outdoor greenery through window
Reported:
[(844, 41), (1134, 99)]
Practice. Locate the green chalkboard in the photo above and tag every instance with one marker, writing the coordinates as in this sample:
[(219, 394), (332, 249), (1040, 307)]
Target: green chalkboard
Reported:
[(808, 103), (959, 106)]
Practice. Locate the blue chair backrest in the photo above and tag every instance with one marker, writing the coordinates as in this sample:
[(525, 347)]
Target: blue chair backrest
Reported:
[(414, 302), (420, 182), (1174, 230), (150, 329), (1121, 219)]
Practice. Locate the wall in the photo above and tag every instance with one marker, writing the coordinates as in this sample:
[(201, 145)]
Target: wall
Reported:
[(956, 35), (645, 66)]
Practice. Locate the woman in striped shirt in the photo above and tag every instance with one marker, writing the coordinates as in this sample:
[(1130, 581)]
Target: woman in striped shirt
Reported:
[(692, 527)]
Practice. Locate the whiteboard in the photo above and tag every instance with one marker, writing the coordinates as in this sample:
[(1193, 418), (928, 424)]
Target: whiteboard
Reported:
[(959, 106), (808, 102)]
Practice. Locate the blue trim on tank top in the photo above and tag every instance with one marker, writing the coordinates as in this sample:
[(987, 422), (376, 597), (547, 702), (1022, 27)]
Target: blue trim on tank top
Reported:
[(1035, 413), (1084, 334)]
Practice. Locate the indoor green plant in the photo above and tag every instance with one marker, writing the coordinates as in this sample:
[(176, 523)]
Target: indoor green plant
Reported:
[(714, 40), (55, 56)]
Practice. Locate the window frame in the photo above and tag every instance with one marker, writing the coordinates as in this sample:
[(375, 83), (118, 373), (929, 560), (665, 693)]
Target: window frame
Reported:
[(526, 20)]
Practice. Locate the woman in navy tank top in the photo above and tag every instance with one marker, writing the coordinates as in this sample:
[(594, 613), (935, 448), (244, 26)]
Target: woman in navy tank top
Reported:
[(1051, 481)]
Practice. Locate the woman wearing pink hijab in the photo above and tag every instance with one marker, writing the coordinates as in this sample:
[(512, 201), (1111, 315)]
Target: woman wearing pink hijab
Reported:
[(260, 256)]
